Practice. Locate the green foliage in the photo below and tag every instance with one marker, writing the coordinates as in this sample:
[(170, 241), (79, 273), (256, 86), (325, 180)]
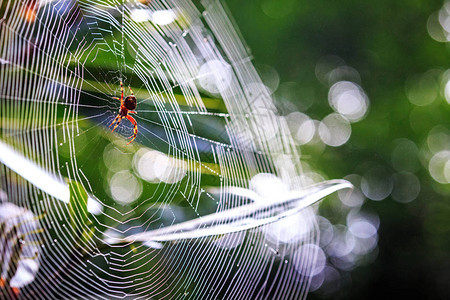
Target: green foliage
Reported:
[(79, 215), (78, 205)]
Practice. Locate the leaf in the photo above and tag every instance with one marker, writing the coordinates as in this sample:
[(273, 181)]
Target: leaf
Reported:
[(87, 234), (78, 206)]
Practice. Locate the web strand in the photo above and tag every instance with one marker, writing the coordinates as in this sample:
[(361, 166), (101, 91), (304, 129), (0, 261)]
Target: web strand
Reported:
[(207, 132)]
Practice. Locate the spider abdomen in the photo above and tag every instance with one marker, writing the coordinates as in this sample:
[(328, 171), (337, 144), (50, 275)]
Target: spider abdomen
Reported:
[(130, 102)]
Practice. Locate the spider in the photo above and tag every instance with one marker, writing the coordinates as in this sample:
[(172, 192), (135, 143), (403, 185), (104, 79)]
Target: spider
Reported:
[(126, 108)]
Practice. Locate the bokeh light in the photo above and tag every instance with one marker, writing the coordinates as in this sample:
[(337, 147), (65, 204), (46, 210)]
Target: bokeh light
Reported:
[(316, 255), (334, 130), (268, 185), (439, 167), (435, 29), (438, 139), (363, 226), (163, 17), (115, 160), (159, 17), (269, 76), (301, 126), (353, 198), (215, 76), (406, 187), (349, 100), (377, 183), (154, 166), (343, 242), (422, 89), (282, 231), (125, 188), (326, 231)]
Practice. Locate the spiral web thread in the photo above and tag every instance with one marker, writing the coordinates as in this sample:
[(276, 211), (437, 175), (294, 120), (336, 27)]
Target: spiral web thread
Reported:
[(202, 111)]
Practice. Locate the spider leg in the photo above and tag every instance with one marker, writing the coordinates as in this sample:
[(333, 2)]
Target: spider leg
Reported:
[(115, 119), (117, 124), (132, 112), (135, 129), (118, 119), (131, 90), (116, 98)]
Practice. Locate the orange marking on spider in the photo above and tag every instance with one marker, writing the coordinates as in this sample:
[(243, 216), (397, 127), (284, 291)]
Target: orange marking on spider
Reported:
[(127, 107)]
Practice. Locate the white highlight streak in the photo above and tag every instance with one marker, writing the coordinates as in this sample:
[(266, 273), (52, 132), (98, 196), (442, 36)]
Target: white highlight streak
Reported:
[(39, 178), (244, 217)]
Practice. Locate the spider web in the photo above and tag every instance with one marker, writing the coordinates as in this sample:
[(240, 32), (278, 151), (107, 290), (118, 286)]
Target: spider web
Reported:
[(187, 209)]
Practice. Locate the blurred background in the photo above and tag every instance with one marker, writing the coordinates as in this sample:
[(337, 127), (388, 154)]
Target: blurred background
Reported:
[(382, 65), (363, 86)]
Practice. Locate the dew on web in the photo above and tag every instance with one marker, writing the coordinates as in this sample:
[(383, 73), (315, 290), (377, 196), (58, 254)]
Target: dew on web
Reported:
[(200, 204)]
